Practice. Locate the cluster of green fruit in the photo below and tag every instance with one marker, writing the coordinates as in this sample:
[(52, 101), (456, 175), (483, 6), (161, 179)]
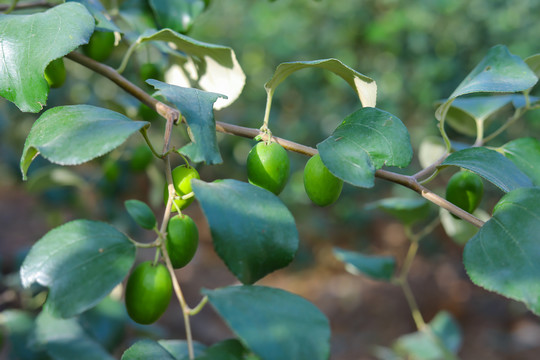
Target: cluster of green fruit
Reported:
[(268, 167), (149, 287)]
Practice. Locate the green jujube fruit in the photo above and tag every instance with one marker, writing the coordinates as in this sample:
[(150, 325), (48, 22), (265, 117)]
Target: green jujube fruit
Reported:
[(182, 240), (55, 73), (182, 176), (100, 46), (322, 187), (465, 190), (268, 166), (148, 292)]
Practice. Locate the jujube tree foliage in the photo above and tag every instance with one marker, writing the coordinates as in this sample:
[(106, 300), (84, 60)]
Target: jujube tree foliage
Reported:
[(253, 232)]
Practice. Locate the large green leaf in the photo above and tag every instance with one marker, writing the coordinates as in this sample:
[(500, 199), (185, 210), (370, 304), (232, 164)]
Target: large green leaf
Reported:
[(445, 338), (71, 135), (197, 107), (177, 15), (525, 153), (80, 262), (365, 141), (376, 267), (30, 43), (65, 339), (273, 323), (365, 87), (253, 231), (499, 71), (147, 349), (504, 256), (214, 67), (491, 165)]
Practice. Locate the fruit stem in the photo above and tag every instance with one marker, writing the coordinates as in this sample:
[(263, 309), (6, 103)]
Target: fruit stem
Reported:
[(145, 136), (197, 309), (156, 257), (127, 56), (269, 96)]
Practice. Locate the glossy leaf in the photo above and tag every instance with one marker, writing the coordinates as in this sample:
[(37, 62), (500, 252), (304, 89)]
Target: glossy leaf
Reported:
[(365, 87), (103, 19), (80, 262), (179, 348), (214, 67), (147, 349), (252, 230), (197, 107), (65, 339), (30, 43), (365, 141), (491, 165), (376, 267), (72, 135), (406, 210), (177, 15), (273, 323), (525, 153), (422, 345), (141, 213), (499, 71), (504, 256)]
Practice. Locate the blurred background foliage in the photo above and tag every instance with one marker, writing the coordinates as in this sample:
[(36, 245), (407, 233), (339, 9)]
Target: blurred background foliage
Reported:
[(417, 51)]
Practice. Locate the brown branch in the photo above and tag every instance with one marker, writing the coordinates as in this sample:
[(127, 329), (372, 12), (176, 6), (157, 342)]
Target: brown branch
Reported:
[(28, 5), (170, 113)]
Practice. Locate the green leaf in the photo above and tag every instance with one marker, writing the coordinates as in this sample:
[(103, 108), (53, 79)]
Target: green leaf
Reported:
[(197, 107), (65, 339), (141, 213), (230, 349), (534, 63), (504, 256), (20, 327), (365, 87), (253, 231), (72, 135), (406, 210), (499, 71), (491, 165), (179, 348), (177, 15), (147, 349), (80, 262), (217, 69), (273, 323), (30, 43), (525, 153), (424, 346), (466, 113), (106, 322), (376, 267), (103, 19), (365, 141)]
